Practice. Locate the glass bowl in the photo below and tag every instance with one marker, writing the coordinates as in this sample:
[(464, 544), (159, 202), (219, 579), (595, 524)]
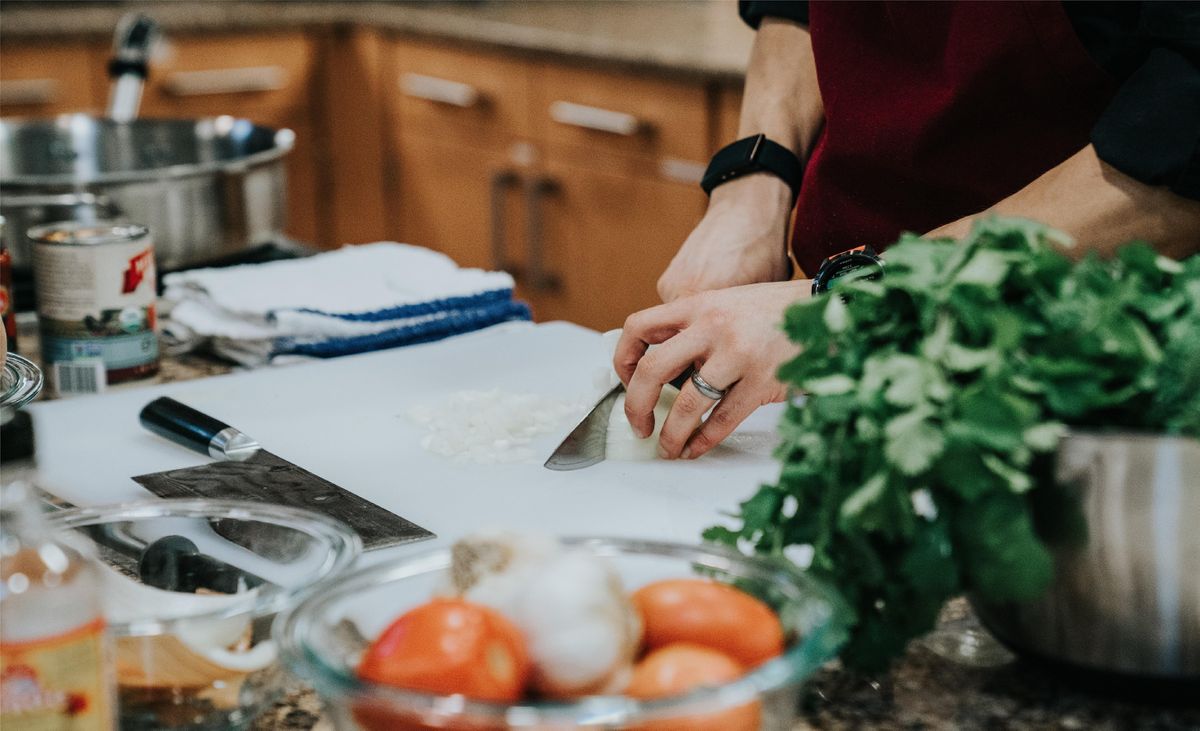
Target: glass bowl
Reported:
[(323, 637), (20, 382), (190, 588)]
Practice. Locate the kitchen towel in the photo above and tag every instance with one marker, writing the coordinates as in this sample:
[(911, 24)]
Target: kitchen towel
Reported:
[(352, 300)]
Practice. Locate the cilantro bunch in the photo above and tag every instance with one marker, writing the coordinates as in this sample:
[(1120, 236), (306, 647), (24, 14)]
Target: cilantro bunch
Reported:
[(935, 399)]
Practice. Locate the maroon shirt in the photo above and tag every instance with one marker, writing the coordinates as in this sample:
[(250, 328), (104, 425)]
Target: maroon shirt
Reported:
[(934, 111)]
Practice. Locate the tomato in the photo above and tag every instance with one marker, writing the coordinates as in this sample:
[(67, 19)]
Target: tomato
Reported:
[(680, 667), (449, 646), (712, 614)]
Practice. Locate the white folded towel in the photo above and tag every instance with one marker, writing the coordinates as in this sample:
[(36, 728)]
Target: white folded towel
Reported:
[(354, 299)]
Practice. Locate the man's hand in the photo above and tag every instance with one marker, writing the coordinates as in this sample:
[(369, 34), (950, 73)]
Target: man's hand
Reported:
[(742, 239), (734, 339)]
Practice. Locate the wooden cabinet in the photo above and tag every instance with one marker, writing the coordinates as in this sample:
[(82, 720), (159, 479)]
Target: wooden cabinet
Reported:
[(728, 115), (581, 183), (460, 152), (350, 77), (40, 79), (605, 239), (264, 77), (465, 202)]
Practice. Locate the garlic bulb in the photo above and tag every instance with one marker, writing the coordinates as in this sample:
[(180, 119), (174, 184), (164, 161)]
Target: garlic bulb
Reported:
[(582, 630)]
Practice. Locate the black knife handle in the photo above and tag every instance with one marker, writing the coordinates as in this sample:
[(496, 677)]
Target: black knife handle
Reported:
[(181, 424)]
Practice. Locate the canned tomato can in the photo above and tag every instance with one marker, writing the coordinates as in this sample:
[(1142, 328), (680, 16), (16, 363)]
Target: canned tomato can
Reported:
[(8, 308), (96, 292)]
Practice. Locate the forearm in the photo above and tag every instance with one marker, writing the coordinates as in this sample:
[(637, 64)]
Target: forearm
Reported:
[(781, 98), (1101, 208)]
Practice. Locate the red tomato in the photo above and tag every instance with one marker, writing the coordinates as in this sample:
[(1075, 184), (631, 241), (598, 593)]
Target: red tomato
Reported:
[(449, 646), (712, 614), (680, 667)]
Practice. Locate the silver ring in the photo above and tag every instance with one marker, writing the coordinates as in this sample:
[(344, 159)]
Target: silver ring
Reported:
[(716, 394)]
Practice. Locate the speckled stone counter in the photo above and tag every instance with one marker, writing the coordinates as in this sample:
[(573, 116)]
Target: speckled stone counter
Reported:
[(955, 679), (699, 38)]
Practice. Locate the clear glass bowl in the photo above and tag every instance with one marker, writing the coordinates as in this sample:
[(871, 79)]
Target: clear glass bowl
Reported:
[(20, 383), (190, 588), (323, 638)]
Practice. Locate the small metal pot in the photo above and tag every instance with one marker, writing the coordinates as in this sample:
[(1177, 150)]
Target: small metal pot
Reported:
[(1126, 591), (206, 187)]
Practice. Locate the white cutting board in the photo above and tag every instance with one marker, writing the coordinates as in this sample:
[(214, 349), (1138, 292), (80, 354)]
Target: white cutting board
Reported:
[(346, 420)]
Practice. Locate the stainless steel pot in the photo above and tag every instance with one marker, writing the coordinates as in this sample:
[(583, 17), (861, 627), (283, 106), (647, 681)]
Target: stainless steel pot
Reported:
[(206, 187), (1126, 591)]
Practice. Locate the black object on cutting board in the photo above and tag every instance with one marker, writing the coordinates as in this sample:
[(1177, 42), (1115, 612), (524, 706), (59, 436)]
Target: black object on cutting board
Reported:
[(246, 471), (172, 562)]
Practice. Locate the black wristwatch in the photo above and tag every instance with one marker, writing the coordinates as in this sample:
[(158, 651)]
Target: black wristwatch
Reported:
[(839, 265), (754, 154)]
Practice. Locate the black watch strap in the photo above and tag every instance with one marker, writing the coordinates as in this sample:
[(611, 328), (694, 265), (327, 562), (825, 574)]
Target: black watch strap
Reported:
[(755, 154)]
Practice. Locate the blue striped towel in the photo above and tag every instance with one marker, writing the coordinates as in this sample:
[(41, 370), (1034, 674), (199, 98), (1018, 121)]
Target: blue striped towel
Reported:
[(353, 300)]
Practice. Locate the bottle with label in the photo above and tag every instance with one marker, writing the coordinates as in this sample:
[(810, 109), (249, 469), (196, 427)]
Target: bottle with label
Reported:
[(54, 669)]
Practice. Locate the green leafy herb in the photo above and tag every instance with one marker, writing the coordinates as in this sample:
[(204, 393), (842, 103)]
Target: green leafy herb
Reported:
[(934, 400)]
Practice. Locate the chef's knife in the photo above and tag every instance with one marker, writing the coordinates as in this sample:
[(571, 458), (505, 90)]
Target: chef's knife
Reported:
[(587, 444), (246, 471)]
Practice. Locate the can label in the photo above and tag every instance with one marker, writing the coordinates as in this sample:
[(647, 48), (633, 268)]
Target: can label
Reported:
[(97, 303), (57, 682), (7, 308)]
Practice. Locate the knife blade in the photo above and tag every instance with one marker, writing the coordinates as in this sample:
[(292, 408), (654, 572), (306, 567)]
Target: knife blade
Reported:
[(246, 471), (587, 444)]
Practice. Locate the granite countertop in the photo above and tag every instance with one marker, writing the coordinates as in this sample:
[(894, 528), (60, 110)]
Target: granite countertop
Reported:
[(956, 678), (697, 38)]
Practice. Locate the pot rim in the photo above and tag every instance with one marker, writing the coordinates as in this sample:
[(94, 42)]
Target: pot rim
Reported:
[(284, 140)]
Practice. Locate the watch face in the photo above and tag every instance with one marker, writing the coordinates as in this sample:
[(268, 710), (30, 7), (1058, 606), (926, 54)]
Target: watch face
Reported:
[(852, 265)]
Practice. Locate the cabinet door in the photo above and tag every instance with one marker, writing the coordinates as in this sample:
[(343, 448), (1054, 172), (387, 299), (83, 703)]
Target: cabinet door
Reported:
[(264, 77), (44, 78), (605, 239), (461, 201), (729, 112), (350, 70)]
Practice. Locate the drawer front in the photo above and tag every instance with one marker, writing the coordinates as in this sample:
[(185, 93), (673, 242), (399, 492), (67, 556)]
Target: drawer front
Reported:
[(623, 114), (467, 95), (263, 77), (41, 79)]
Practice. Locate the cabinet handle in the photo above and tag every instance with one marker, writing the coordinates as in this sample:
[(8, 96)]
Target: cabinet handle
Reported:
[(443, 91), (28, 91), (502, 180), (681, 171), (539, 279), (245, 80), (595, 118)]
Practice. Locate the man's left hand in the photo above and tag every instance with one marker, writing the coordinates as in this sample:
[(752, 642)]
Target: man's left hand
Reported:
[(734, 339)]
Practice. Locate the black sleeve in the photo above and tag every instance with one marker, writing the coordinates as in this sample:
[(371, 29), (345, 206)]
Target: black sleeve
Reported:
[(753, 11), (1151, 129)]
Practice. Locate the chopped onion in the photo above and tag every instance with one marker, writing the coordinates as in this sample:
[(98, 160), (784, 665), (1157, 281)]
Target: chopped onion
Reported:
[(489, 426)]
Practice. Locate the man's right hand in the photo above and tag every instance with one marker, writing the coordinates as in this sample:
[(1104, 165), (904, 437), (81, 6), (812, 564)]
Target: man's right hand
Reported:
[(742, 239)]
